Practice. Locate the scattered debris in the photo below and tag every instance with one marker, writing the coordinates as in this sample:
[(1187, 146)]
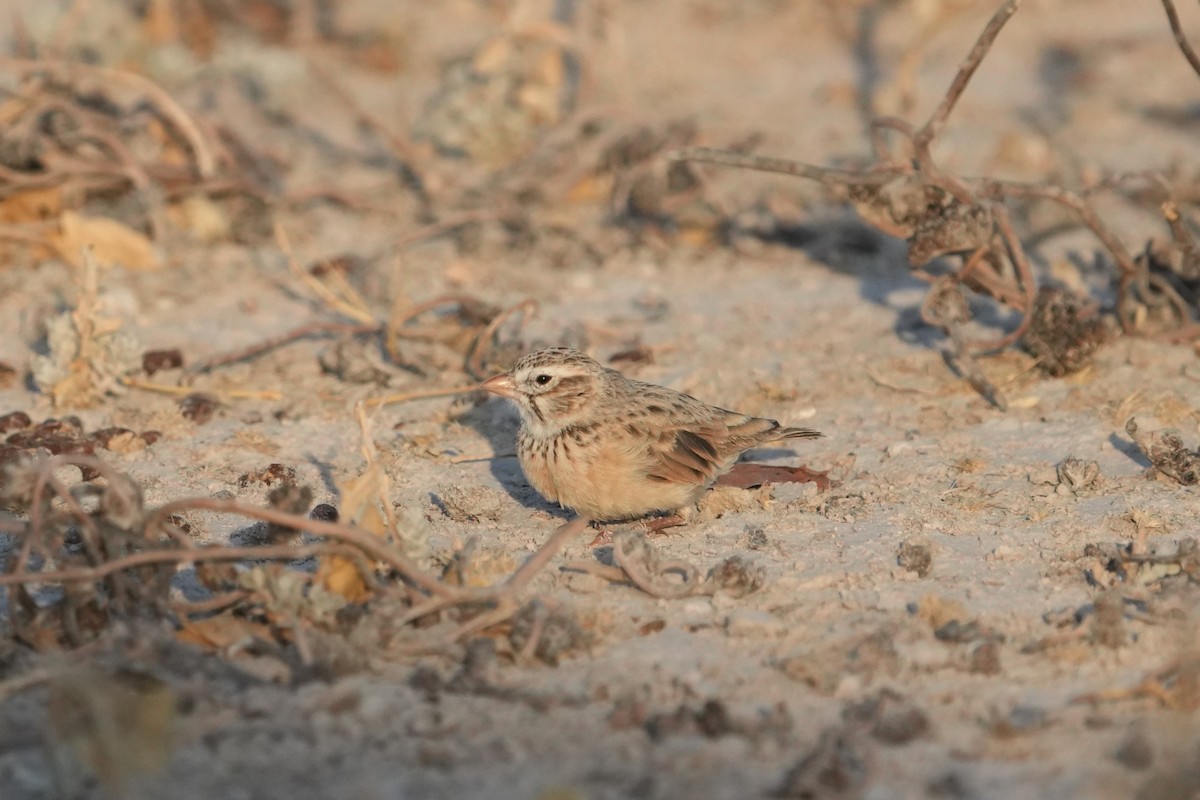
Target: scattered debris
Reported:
[(835, 768), (1065, 331), (1103, 623), (1020, 720), (916, 557), (472, 504), (944, 215), (547, 634), (61, 436), (160, 360), (754, 538), (661, 577), (890, 720), (1076, 475), (15, 421), (271, 475), (710, 720), (122, 563), (716, 718), (1175, 685), (199, 407), (1167, 453), (85, 135), (1184, 561), (492, 104), (88, 356)]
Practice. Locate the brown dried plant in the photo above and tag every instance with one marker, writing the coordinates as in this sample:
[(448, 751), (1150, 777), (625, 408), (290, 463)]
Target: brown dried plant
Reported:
[(967, 219), (92, 554)]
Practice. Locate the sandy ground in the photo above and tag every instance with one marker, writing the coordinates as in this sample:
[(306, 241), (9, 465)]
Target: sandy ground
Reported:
[(926, 627)]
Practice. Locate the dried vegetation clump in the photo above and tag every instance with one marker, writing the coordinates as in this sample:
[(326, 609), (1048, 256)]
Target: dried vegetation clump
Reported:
[(101, 158), (1167, 453), (116, 561), (962, 237), (102, 166), (106, 161)]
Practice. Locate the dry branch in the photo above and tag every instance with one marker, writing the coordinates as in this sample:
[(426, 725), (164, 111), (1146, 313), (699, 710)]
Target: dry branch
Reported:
[(72, 72), (946, 215), (121, 540)]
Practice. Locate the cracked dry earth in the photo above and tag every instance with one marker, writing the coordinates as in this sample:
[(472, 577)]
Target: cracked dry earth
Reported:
[(943, 621)]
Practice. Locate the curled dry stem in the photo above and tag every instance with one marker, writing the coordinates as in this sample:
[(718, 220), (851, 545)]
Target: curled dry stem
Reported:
[(275, 342), (364, 541), (427, 592), (1139, 288), (650, 573), (483, 344), (194, 555), (929, 131), (1181, 40), (73, 72), (350, 305)]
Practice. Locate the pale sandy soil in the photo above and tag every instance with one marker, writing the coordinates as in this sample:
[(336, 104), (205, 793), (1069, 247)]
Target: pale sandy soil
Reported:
[(847, 674)]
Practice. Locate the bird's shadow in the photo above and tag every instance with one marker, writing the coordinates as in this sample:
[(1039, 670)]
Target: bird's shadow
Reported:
[(497, 422), (767, 454), (1129, 449), (843, 242)]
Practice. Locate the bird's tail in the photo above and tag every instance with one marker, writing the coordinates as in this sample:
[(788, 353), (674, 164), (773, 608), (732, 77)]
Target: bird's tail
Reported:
[(796, 433), (747, 431)]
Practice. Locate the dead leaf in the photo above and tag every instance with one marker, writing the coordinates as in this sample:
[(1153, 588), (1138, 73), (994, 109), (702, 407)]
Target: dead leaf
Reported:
[(591, 189), (751, 476), (111, 242), (341, 576), (31, 205), (360, 506), (222, 632), (230, 636), (698, 236)]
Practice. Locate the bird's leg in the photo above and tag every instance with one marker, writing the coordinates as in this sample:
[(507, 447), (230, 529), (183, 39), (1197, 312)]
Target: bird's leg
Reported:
[(657, 525), (651, 526), (654, 526)]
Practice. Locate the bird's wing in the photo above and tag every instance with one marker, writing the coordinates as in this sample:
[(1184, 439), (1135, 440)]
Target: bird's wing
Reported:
[(700, 451), (684, 455), (688, 441)]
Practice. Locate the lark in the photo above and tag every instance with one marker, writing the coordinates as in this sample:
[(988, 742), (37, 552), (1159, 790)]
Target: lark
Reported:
[(612, 448)]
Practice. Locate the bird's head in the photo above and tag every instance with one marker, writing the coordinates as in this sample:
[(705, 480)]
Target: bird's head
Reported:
[(553, 388)]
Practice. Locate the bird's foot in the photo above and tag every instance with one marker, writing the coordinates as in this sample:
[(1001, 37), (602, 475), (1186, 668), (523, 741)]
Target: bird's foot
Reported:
[(654, 526), (604, 536), (657, 525)]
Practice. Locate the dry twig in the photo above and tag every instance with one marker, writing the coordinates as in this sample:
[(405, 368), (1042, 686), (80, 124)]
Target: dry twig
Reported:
[(72, 72), (945, 215), (121, 540)]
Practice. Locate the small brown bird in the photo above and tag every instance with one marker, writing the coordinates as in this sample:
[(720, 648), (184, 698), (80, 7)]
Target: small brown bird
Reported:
[(614, 448)]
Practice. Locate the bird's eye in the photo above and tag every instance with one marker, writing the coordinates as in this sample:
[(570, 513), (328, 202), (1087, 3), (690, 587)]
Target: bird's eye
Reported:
[(542, 380)]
